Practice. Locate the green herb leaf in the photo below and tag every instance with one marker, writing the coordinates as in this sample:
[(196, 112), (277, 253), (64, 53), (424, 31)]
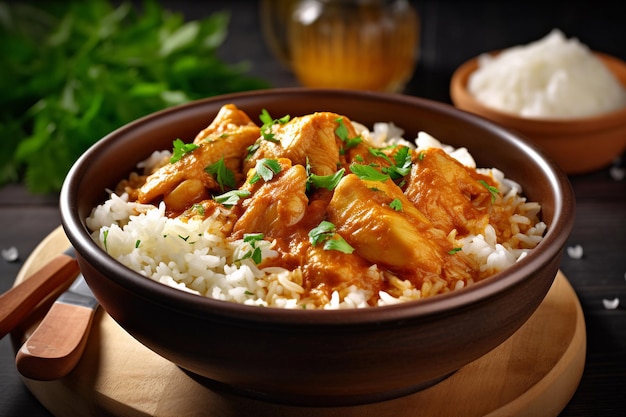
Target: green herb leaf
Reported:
[(328, 182), (401, 164), (396, 204), (199, 208), (105, 236), (250, 150), (322, 232), (380, 154), (268, 122), (180, 149), (232, 197), (368, 173), (338, 244), (403, 161), (74, 71), (266, 169), (454, 250), (224, 176), (492, 190), (326, 232), (342, 130), (255, 253), (252, 237), (342, 133)]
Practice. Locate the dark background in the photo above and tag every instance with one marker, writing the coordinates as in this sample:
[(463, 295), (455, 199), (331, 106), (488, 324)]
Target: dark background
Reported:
[(451, 32)]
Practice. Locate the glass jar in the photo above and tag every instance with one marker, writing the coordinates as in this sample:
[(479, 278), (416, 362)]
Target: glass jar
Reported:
[(353, 44)]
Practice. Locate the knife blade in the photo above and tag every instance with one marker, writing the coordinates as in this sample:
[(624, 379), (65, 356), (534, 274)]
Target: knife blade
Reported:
[(57, 344)]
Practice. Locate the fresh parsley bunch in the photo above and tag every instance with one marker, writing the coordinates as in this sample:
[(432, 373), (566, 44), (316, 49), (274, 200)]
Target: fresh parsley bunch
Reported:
[(74, 71)]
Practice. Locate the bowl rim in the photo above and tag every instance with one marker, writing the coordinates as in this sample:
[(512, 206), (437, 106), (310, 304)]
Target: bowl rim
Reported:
[(575, 125), (88, 251)]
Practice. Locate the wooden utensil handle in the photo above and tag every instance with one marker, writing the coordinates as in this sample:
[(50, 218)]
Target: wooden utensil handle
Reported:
[(20, 300), (56, 346)]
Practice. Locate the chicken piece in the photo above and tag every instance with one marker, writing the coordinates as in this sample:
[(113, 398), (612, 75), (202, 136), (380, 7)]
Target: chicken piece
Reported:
[(448, 193), (399, 239), (275, 206), (326, 271), (228, 118), (309, 137), (228, 137)]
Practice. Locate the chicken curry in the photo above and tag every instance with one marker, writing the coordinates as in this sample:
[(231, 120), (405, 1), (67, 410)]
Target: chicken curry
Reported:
[(338, 209)]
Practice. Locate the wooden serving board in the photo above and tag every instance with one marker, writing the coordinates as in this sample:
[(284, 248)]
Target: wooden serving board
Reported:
[(535, 372)]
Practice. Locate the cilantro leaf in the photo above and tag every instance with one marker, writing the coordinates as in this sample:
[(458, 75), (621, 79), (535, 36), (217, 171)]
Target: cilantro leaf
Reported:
[(342, 133), (325, 233), (399, 166), (342, 130), (492, 190), (368, 173), (232, 197), (321, 232), (396, 204), (255, 253), (268, 122), (266, 169), (328, 182), (224, 176), (181, 148), (338, 244), (253, 237)]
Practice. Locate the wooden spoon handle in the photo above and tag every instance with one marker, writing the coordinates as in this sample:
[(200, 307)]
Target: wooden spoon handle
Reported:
[(57, 345), (19, 301)]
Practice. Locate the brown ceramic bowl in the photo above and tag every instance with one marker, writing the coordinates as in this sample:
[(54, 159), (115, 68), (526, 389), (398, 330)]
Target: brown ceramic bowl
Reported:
[(578, 145), (320, 357)]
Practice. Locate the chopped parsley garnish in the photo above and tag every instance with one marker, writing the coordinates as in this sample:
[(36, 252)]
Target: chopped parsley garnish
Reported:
[(255, 252), (252, 149), (325, 233), (328, 182), (266, 169), (454, 250), (268, 122), (342, 133), (421, 156), (224, 176), (231, 198), (379, 153), (492, 190), (105, 235), (137, 243), (396, 204), (401, 164), (403, 161), (181, 148), (368, 173), (199, 208)]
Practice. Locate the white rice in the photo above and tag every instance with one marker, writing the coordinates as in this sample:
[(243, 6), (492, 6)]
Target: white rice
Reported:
[(195, 256), (553, 77)]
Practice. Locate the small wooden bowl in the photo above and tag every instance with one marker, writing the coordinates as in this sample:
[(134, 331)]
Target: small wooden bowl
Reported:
[(578, 145)]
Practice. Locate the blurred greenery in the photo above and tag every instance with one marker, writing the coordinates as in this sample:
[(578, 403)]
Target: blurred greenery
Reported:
[(73, 71)]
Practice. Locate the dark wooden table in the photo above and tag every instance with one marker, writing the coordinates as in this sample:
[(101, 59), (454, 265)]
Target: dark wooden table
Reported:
[(451, 33)]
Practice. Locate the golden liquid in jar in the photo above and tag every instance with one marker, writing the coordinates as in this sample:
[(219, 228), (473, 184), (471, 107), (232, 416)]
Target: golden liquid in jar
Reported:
[(360, 44)]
